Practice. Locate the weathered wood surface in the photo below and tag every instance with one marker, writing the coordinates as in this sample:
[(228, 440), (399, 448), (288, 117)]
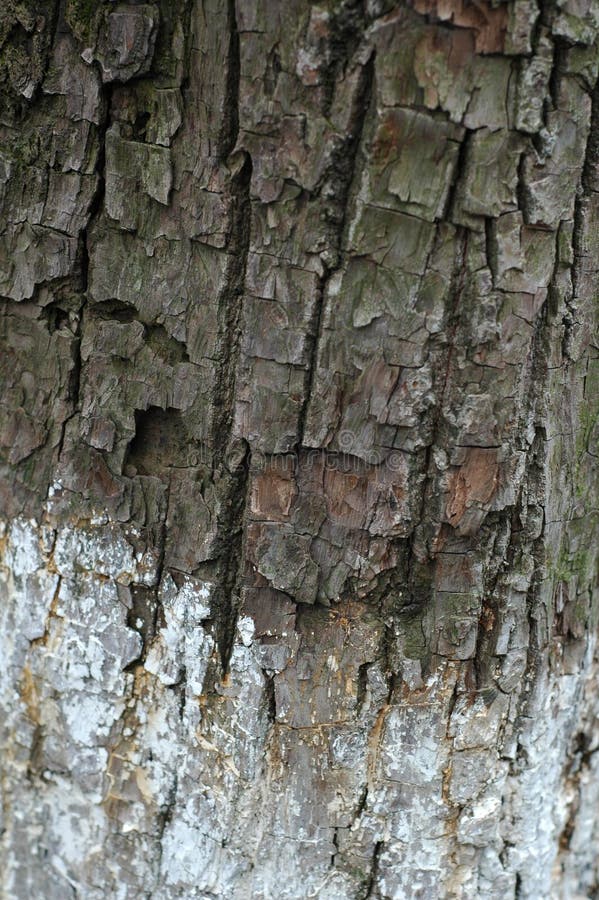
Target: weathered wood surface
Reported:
[(299, 449)]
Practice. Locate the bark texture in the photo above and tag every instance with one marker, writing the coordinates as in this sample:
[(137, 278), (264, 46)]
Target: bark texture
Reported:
[(299, 449)]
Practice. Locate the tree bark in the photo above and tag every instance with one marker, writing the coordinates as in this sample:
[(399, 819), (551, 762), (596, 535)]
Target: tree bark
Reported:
[(299, 449)]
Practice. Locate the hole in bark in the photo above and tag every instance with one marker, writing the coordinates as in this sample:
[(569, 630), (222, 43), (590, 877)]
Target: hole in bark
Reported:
[(168, 348), (139, 126), (115, 309), (55, 317), (160, 442)]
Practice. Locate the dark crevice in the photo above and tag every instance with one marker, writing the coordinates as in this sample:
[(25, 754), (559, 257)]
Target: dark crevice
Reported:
[(229, 550), (231, 456), (362, 801), (336, 186), (491, 247), (271, 697), (181, 687), (336, 846), (522, 188), (82, 265), (362, 686), (115, 310), (346, 31), (230, 123), (459, 170), (142, 616), (387, 656), (451, 705), (420, 551), (374, 869), (97, 203), (419, 584), (164, 818), (230, 306), (558, 67)]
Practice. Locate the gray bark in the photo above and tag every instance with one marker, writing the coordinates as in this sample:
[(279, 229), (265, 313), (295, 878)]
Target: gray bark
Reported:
[(299, 449)]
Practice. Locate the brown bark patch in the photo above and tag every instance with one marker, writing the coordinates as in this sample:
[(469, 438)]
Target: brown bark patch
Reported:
[(22, 435), (474, 483), (389, 136), (347, 496), (439, 61), (488, 23), (29, 695), (273, 491), (100, 480)]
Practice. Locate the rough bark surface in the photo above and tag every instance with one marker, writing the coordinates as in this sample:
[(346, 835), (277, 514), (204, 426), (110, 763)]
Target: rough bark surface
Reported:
[(299, 449)]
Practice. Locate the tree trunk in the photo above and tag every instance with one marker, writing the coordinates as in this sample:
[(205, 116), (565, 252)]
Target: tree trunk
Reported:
[(299, 431)]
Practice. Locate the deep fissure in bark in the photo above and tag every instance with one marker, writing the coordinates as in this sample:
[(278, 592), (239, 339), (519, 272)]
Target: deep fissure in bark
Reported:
[(337, 187)]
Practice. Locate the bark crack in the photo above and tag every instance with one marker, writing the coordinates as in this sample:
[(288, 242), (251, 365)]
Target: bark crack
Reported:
[(336, 187)]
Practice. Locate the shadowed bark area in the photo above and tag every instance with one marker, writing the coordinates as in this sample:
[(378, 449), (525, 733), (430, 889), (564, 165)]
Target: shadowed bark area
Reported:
[(298, 471)]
